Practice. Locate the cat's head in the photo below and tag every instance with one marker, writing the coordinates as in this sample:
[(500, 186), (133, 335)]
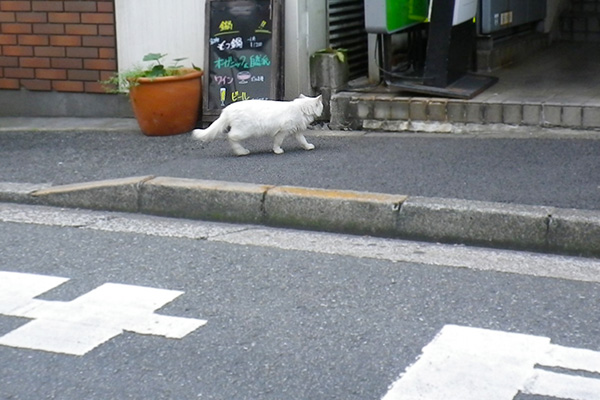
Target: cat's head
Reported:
[(313, 105)]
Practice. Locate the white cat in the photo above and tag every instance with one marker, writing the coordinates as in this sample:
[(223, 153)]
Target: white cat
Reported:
[(252, 118)]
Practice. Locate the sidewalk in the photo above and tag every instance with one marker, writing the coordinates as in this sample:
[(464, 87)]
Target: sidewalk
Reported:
[(557, 87), (496, 190)]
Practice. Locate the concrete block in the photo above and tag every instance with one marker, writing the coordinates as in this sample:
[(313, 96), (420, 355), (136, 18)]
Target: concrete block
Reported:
[(327, 71), (512, 114), (552, 115), (200, 199), (364, 109), (436, 111), (418, 109), (591, 117), (476, 222), (388, 125), (326, 94), (532, 114), (572, 116), (344, 112), (575, 231), (382, 110), (113, 195), (456, 111), (400, 109), (493, 113), (333, 210), (474, 112)]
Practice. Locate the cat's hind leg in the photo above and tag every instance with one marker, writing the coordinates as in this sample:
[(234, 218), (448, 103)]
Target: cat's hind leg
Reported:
[(302, 140), (278, 141), (238, 149), (235, 137)]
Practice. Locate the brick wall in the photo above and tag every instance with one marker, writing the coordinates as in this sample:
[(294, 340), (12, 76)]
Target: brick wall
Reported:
[(57, 45)]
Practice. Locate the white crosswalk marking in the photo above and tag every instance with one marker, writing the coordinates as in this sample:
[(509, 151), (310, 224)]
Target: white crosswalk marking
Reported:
[(78, 326), (473, 364), (547, 383)]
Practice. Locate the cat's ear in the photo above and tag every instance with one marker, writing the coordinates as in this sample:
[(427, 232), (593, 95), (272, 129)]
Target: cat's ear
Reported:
[(320, 97), (301, 96)]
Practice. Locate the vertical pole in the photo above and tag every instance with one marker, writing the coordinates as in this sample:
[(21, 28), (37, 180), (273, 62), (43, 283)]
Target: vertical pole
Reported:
[(385, 56), (438, 44)]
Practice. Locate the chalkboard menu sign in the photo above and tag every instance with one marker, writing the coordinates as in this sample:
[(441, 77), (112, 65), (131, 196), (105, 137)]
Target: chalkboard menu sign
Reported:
[(243, 53)]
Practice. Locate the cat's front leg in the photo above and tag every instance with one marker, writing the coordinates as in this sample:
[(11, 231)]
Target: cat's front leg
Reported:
[(302, 140)]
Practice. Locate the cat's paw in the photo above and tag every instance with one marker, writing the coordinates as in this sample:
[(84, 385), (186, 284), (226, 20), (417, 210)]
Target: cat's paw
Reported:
[(309, 146), (278, 150), (241, 152), (198, 134)]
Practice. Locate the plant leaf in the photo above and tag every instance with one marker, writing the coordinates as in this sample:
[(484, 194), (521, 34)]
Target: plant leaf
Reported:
[(153, 57), (157, 70)]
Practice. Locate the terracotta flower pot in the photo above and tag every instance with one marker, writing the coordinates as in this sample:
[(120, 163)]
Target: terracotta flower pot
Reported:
[(167, 105)]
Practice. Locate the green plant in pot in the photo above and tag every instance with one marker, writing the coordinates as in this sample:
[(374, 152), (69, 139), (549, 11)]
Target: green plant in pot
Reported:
[(165, 99)]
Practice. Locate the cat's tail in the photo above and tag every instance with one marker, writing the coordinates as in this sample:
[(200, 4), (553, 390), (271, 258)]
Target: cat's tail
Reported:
[(217, 127)]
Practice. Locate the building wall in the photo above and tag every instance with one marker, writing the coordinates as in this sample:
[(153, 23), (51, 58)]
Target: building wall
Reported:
[(148, 26), (56, 45), (53, 53)]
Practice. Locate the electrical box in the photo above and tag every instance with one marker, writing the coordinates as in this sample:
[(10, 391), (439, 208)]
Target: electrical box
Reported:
[(390, 16), (496, 15)]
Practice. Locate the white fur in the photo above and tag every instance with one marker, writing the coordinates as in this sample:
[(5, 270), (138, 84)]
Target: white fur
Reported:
[(252, 118)]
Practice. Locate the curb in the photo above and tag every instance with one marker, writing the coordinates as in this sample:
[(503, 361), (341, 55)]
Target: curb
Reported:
[(523, 227)]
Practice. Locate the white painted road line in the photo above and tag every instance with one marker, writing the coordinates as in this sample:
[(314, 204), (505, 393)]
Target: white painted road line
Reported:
[(473, 364), (17, 289), (569, 358), (562, 386), (517, 262), (78, 326)]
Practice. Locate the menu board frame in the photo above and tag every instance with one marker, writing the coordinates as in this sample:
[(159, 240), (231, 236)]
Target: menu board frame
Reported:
[(243, 55)]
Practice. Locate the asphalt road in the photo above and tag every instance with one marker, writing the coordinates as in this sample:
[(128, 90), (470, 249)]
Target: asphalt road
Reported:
[(537, 171), (281, 323)]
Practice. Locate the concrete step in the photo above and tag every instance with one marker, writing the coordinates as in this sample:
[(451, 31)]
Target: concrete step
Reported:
[(557, 87), (392, 112)]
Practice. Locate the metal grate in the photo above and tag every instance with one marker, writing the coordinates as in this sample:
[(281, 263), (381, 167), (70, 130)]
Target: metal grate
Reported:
[(347, 30)]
